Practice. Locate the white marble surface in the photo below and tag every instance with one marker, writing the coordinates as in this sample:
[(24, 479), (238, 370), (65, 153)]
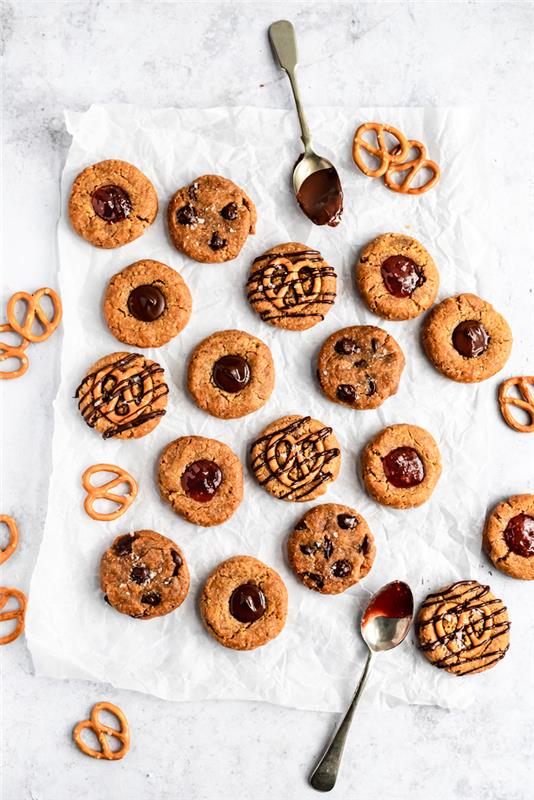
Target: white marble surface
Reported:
[(60, 55)]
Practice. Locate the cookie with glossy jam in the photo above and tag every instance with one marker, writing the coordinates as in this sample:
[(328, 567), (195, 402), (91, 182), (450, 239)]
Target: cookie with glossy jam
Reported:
[(508, 537)]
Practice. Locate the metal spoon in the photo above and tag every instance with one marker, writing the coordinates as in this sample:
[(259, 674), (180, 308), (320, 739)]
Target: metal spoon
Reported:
[(384, 625), (315, 179)]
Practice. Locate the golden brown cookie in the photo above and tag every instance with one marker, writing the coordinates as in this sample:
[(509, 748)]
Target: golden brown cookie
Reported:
[(331, 548), (295, 458), (401, 466), (291, 286), (147, 304), (210, 219), (201, 479), (124, 395), (144, 574), (360, 367), (509, 536), (231, 374), (396, 276), (112, 203), (463, 628), (466, 339), (244, 603)]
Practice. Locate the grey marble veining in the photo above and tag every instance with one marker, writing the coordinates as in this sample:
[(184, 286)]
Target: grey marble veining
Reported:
[(70, 54)]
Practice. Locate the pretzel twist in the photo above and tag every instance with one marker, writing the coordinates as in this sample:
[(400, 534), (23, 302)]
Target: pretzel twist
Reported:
[(11, 546), (34, 311), (101, 731), (380, 150), (104, 491), (412, 167), (13, 351), (525, 401), (16, 613)]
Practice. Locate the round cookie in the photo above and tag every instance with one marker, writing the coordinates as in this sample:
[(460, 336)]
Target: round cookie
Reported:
[(291, 286), (123, 395), (144, 574), (147, 304), (396, 277), (331, 548), (360, 367), (209, 220), (202, 480), (463, 628), (244, 603), (401, 466), (231, 374), (466, 339), (508, 537), (111, 203), (295, 458)]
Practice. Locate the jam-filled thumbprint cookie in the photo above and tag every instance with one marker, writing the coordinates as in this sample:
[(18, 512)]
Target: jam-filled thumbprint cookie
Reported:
[(509, 536), (112, 203)]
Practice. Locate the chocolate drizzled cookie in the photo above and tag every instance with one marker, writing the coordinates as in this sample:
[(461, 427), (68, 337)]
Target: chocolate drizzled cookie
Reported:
[(463, 628), (123, 395)]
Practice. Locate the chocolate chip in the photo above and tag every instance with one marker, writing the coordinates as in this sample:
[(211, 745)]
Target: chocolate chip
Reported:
[(186, 215), (192, 190), (301, 526), (341, 568), (347, 521), (216, 241), (366, 545), (123, 545), (328, 548), (307, 549), (229, 211), (375, 344), (346, 393), (140, 574), (361, 363), (345, 347), (151, 598), (315, 578), (371, 386), (106, 598), (176, 557)]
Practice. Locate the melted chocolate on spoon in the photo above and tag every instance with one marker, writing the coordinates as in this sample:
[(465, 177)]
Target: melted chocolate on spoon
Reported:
[(321, 197)]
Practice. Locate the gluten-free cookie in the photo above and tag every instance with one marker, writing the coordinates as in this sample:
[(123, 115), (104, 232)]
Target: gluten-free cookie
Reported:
[(112, 203), (144, 574), (509, 536), (397, 277), (231, 374), (291, 286), (401, 466), (463, 628), (331, 548), (147, 304), (123, 395), (466, 339), (210, 219), (244, 603), (201, 479), (360, 367), (296, 458)]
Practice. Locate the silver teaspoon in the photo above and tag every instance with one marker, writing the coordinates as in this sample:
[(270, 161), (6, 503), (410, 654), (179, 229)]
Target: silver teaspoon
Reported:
[(384, 625), (315, 180)]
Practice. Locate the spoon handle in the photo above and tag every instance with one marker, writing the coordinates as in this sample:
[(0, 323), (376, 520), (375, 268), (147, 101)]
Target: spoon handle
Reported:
[(324, 776), (284, 44)]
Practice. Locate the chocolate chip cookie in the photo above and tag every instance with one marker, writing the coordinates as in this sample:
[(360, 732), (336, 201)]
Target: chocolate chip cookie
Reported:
[(147, 304), (209, 220), (463, 628), (360, 367), (231, 374), (466, 339), (291, 286), (244, 603), (331, 548), (123, 395), (112, 203), (397, 277), (401, 466), (201, 479), (296, 458), (509, 536), (144, 575)]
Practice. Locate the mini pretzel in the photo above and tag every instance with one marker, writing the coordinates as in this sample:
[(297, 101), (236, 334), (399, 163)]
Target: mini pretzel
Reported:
[(17, 613), (380, 150), (525, 401), (104, 492), (11, 546), (13, 351), (413, 166), (101, 731), (34, 311)]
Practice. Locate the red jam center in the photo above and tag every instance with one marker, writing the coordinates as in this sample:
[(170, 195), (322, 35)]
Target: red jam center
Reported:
[(403, 467), (201, 480), (470, 338), (401, 276), (111, 203), (519, 535)]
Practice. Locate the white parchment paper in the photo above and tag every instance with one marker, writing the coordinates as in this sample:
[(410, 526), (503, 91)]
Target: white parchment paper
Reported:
[(314, 662)]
